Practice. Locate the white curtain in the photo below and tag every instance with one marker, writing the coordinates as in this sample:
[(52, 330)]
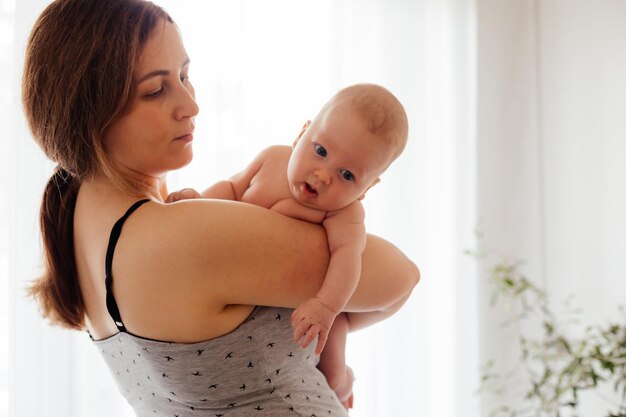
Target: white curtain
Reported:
[(260, 70), (551, 178), (6, 59)]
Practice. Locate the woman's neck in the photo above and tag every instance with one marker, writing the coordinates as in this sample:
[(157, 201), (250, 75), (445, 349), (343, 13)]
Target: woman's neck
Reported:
[(132, 186)]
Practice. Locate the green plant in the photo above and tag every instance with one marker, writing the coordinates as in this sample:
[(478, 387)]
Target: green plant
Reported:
[(556, 366)]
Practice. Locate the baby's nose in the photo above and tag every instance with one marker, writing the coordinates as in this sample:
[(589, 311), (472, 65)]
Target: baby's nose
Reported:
[(323, 175)]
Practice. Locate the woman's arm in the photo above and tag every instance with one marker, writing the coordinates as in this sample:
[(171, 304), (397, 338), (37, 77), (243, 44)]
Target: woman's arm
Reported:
[(237, 253)]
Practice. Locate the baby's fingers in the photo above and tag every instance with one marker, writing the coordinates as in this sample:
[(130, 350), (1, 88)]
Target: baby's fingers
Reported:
[(321, 342), (173, 197), (310, 334), (177, 196), (300, 331), (184, 194), (295, 318)]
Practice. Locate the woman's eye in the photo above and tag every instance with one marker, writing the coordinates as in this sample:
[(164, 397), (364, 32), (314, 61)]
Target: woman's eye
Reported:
[(347, 175), (184, 78), (154, 94), (321, 151)]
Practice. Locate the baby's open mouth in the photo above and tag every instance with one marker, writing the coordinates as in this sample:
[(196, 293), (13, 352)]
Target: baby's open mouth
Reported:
[(310, 189)]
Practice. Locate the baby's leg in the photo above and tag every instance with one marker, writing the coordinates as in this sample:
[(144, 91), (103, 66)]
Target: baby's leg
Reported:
[(357, 321), (333, 359)]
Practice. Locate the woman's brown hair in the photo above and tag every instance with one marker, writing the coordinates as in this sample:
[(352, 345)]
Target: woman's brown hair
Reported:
[(78, 79)]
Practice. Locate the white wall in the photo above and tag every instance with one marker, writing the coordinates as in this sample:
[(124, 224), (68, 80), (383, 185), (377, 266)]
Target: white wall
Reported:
[(551, 96), (583, 86)]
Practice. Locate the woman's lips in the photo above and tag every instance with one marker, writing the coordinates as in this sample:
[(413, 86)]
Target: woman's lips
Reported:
[(188, 137)]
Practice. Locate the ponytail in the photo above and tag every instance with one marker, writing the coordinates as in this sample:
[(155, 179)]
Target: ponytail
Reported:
[(78, 80), (57, 290)]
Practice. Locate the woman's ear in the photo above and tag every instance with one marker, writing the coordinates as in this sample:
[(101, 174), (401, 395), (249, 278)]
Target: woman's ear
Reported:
[(304, 128)]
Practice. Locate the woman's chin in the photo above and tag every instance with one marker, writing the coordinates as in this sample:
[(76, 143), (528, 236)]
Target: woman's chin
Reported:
[(184, 160)]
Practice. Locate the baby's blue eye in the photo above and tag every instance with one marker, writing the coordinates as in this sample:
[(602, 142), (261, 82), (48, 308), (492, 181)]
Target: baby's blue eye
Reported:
[(321, 151), (347, 175)]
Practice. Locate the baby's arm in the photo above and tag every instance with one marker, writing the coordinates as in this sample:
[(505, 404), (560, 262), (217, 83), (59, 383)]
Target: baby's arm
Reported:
[(233, 188), (346, 240), (345, 230)]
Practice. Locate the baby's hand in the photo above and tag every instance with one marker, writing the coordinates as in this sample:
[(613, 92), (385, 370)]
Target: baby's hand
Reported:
[(310, 319), (184, 194)]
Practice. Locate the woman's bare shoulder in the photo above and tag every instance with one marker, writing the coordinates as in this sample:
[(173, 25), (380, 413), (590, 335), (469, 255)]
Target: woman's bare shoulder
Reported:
[(226, 250), (224, 253), (170, 262), (201, 222)]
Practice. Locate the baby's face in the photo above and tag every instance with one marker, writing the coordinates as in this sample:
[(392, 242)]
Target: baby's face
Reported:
[(335, 161)]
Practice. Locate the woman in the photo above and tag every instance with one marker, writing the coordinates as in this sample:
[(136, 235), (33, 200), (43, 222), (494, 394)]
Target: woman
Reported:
[(170, 293)]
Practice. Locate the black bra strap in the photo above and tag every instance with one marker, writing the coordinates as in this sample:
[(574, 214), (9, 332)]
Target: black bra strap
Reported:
[(114, 311)]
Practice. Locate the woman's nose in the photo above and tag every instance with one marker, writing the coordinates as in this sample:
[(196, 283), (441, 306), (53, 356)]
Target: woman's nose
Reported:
[(323, 175), (186, 106)]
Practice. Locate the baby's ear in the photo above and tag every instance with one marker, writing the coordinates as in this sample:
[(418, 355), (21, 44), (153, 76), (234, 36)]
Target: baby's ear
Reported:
[(376, 181), (304, 128)]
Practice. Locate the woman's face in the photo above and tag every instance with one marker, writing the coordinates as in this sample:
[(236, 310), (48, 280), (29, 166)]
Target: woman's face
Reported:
[(156, 135)]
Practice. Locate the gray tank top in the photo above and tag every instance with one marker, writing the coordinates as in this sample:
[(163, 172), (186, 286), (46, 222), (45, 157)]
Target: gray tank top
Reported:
[(255, 370)]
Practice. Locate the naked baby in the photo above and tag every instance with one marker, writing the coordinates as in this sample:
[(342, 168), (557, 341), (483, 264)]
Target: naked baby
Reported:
[(333, 162)]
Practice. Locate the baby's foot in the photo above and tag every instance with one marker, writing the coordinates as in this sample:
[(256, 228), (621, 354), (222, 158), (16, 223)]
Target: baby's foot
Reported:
[(341, 383)]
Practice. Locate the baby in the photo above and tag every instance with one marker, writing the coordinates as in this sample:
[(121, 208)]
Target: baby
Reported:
[(334, 161)]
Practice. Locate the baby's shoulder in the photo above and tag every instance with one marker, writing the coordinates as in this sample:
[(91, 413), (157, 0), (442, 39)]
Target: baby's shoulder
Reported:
[(276, 152), (272, 160)]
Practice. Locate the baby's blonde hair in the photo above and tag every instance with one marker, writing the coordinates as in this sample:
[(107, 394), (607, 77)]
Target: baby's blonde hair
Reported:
[(381, 111)]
